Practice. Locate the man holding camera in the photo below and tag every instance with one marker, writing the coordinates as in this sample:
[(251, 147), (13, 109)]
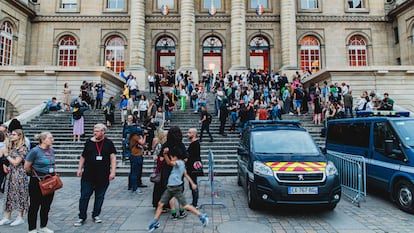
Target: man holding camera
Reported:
[(137, 143)]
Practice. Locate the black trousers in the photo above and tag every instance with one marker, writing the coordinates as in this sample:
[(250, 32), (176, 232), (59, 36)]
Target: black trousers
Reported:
[(205, 126), (38, 201)]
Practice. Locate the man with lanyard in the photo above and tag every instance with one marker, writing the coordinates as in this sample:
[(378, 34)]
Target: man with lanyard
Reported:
[(98, 161)]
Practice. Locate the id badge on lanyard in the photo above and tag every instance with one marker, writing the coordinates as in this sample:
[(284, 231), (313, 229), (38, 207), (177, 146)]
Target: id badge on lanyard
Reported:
[(99, 149), (49, 157)]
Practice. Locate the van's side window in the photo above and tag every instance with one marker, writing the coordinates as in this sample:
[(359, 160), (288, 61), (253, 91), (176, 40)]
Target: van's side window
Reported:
[(356, 134), (383, 133)]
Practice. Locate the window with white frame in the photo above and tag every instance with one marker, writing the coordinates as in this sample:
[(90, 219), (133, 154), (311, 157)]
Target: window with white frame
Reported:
[(169, 3), (115, 4), (6, 44), (69, 4), (310, 54), (115, 53), (67, 51), (357, 51), (255, 3), (309, 4), (215, 3), (355, 4)]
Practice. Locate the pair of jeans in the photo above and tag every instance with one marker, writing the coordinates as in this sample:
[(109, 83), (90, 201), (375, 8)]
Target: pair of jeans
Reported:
[(167, 115), (135, 173), (87, 188), (195, 105), (194, 193), (349, 109), (37, 200)]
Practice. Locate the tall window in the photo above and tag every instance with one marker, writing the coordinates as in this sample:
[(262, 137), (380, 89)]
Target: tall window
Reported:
[(310, 54), (254, 3), (412, 35), (6, 44), (67, 51), (309, 4), (216, 3), (259, 53), (114, 53), (357, 51), (169, 3), (352, 4), (115, 4)]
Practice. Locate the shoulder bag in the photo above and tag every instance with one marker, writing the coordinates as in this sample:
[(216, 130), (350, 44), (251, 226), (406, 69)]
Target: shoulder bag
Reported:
[(49, 183)]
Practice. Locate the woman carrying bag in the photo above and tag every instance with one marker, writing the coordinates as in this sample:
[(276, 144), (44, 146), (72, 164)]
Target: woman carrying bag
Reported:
[(41, 159)]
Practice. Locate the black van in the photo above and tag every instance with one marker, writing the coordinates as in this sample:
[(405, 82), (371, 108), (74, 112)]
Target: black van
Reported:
[(279, 162)]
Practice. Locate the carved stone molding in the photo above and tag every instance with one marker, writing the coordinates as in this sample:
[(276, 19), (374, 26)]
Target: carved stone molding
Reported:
[(76, 18), (345, 18)]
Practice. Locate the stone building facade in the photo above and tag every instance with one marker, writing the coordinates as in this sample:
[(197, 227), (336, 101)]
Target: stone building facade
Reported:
[(143, 36)]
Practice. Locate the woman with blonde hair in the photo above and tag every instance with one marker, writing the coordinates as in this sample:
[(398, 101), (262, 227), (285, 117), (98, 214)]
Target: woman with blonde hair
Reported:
[(159, 159), (41, 159), (16, 184)]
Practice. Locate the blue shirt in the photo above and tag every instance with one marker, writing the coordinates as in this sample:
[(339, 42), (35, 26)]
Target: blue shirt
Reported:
[(42, 160), (176, 174), (123, 104)]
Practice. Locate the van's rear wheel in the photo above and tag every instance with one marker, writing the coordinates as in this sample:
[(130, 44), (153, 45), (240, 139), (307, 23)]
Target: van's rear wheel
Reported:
[(404, 195)]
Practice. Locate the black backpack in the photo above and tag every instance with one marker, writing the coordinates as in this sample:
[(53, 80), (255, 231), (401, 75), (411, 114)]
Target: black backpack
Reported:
[(77, 115), (209, 118)]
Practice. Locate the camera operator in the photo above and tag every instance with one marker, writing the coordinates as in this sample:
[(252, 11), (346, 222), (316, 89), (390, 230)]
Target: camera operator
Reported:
[(137, 145)]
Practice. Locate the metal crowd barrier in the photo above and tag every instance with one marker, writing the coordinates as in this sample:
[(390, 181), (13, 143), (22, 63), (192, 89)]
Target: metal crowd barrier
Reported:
[(352, 172), (213, 194)]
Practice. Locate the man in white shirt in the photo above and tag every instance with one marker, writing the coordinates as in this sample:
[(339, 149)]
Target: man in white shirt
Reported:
[(151, 81), (133, 88)]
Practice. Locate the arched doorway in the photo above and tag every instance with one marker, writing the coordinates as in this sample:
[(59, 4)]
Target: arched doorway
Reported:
[(165, 56), (213, 55), (259, 53)]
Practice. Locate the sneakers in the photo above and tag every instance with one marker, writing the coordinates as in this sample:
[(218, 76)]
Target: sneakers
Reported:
[(33, 231), (5, 221), (96, 219), (204, 219), (154, 225), (174, 216), (19, 220), (183, 214), (138, 191), (45, 230), (79, 223)]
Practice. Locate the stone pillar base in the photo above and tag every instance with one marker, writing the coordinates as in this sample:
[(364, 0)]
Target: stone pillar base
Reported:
[(290, 71), (141, 74), (194, 71)]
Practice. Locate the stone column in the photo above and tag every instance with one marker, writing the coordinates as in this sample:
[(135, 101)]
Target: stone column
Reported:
[(137, 43), (238, 36), (288, 32), (187, 38)]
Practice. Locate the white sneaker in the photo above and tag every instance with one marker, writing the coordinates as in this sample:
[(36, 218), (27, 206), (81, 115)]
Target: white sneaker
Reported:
[(45, 230), (33, 231), (19, 220), (5, 221)]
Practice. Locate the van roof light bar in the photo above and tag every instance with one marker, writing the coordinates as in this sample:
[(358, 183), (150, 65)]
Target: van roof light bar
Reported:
[(264, 123), (382, 113)]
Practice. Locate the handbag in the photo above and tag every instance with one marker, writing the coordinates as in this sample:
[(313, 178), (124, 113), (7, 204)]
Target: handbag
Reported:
[(49, 183), (155, 176)]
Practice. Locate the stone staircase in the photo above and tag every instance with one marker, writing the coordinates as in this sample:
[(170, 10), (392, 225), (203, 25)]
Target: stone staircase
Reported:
[(68, 152)]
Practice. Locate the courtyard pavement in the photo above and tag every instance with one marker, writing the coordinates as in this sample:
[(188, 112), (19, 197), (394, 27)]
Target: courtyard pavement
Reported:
[(125, 212)]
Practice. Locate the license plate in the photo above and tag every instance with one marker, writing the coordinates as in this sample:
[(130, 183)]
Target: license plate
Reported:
[(302, 190)]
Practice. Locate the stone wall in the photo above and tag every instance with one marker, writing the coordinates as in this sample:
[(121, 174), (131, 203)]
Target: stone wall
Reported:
[(26, 87)]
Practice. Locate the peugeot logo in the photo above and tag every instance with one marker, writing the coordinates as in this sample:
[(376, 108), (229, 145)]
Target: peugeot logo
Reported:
[(300, 177)]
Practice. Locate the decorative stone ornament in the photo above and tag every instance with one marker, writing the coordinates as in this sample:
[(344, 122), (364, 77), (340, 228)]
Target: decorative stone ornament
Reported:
[(212, 10), (164, 10), (260, 9)]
